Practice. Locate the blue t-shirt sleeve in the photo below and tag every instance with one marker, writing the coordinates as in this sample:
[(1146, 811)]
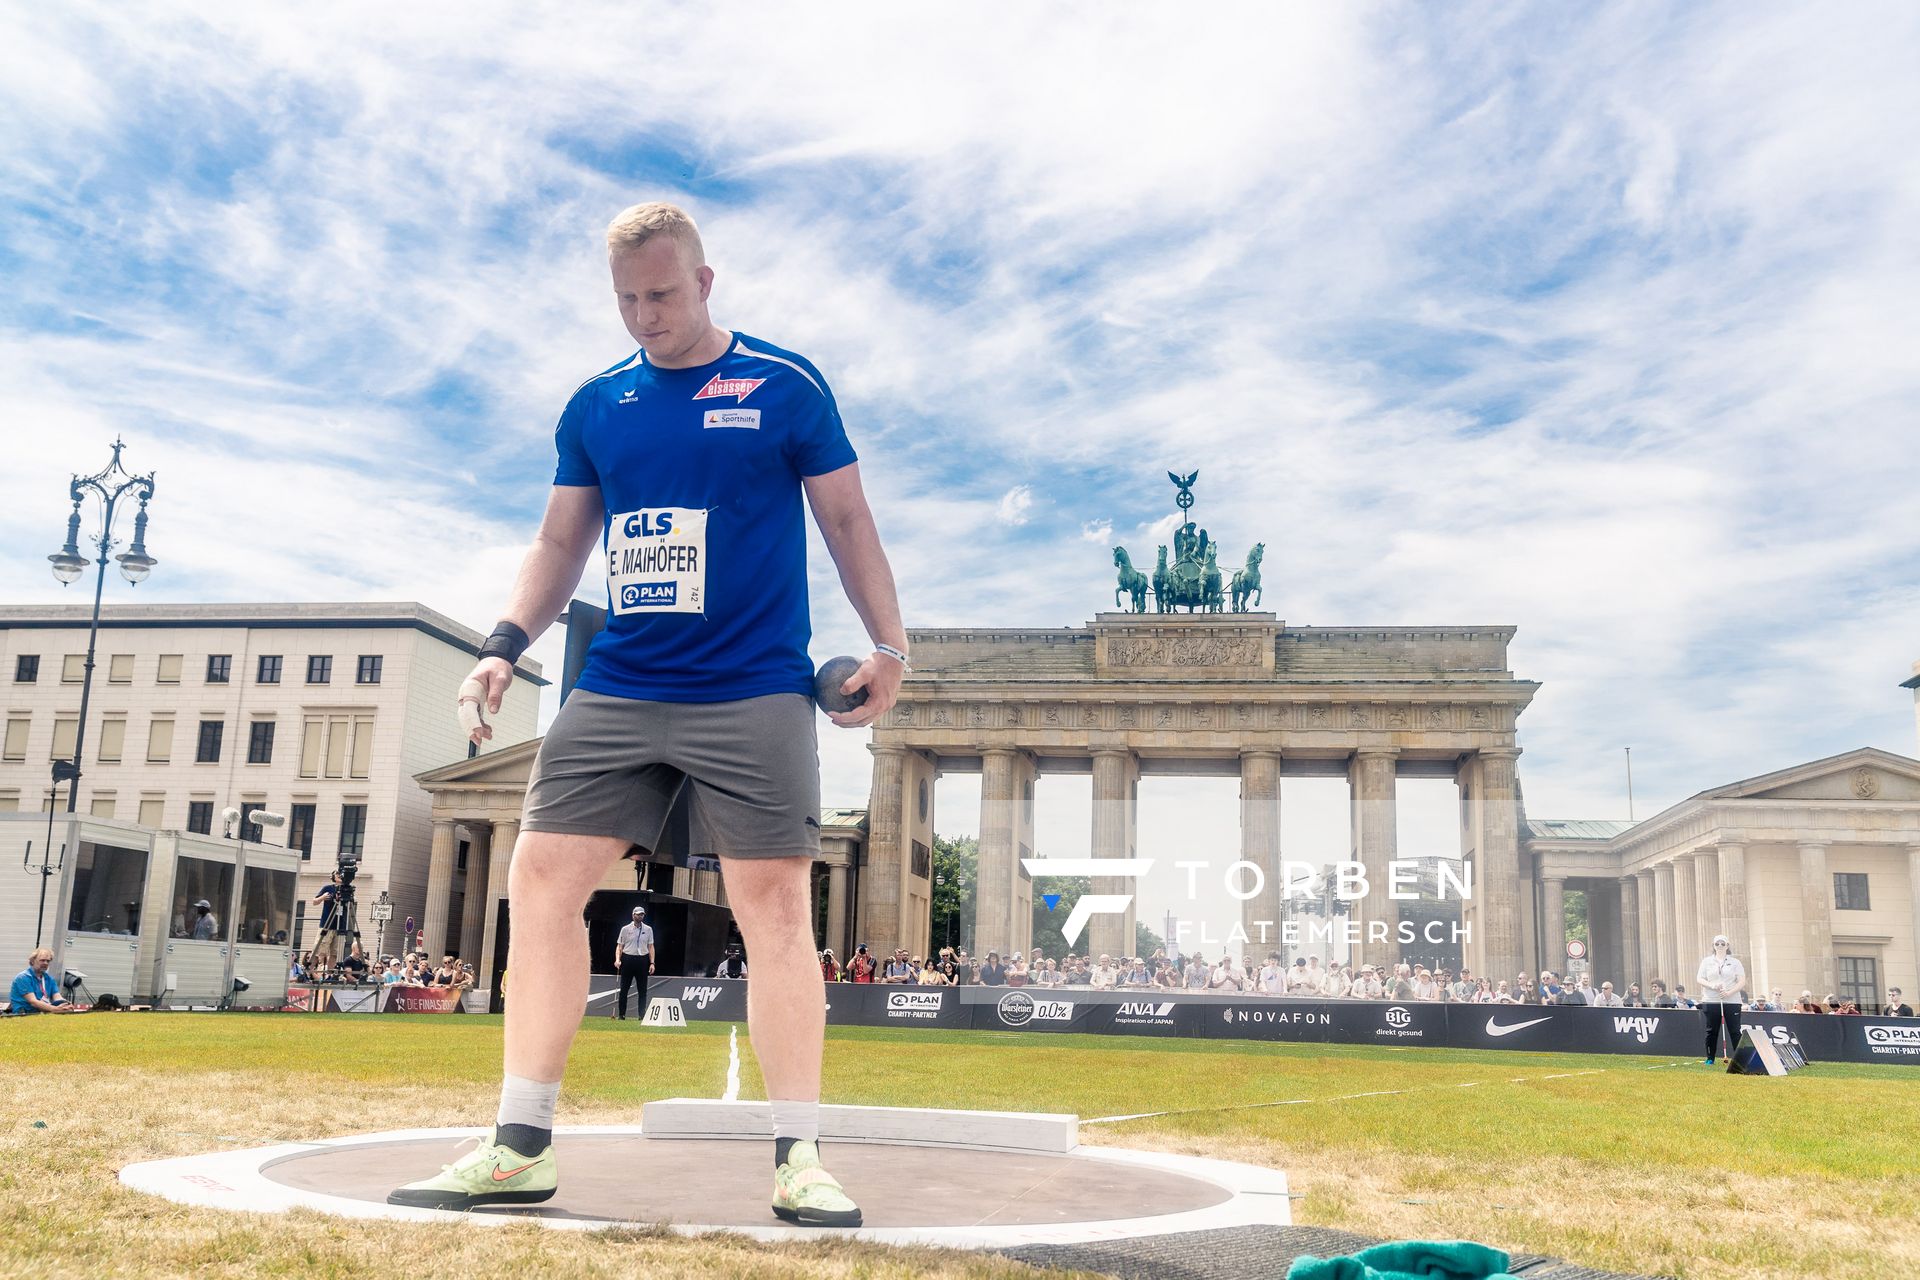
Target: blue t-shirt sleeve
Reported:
[(569, 440), (17, 994), (819, 442)]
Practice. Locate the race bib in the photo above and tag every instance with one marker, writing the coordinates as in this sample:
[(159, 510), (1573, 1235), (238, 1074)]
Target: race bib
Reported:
[(657, 561)]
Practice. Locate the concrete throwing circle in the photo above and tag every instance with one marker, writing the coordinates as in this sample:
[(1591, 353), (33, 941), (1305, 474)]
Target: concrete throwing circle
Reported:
[(959, 1197)]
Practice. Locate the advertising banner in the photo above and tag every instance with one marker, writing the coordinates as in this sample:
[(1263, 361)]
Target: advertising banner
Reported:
[(1031, 1009), (422, 1000), (1880, 1039), (705, 999)]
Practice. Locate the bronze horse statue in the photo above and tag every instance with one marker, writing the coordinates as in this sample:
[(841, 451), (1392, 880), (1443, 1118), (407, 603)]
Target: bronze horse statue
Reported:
[(1132, 584), (1245, 587)]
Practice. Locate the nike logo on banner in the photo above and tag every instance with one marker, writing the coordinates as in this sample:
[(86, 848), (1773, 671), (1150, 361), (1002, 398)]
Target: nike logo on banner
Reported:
[(501, 1175), (1495, 1029)]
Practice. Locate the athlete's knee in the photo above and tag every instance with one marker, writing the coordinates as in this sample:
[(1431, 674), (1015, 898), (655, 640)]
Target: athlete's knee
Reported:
[(558, 870)]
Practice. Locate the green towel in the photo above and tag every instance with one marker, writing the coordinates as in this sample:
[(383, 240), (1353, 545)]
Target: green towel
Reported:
[(1408, 1260)]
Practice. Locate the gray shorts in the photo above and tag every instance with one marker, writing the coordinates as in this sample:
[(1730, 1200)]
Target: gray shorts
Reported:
[(614, 766)]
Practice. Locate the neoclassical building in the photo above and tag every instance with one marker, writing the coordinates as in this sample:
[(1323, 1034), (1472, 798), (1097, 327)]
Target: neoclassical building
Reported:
[(1812, 872)]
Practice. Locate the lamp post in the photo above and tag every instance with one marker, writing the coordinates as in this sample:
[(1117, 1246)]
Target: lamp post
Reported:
[(111, 483)]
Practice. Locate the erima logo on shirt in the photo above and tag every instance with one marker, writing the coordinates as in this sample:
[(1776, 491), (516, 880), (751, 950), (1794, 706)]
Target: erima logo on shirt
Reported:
[(738, 388)]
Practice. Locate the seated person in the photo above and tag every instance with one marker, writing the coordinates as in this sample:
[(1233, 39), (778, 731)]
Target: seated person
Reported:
[(35, 990)]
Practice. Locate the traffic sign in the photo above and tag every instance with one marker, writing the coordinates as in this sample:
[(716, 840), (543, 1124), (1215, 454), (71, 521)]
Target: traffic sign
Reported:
[(1575, 948)]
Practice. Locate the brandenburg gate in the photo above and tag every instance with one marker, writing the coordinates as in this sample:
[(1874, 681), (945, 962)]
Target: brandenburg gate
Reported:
[(1210, 693)]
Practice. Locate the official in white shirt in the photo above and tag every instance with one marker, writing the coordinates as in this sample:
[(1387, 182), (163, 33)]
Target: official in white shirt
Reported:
[(1719, 981), (633, 959)]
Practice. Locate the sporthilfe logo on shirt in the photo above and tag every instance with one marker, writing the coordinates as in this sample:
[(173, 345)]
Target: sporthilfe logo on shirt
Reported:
[(744, 419)]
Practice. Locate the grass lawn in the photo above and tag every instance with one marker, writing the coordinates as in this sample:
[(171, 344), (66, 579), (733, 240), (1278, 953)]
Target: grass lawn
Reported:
[(1635, 1164)]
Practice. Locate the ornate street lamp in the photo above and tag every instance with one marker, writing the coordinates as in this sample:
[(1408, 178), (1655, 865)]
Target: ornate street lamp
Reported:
[(109, 484)]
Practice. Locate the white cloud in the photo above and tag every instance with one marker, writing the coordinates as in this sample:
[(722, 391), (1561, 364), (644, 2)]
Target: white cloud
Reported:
[(1014, 504), (1096, 530)]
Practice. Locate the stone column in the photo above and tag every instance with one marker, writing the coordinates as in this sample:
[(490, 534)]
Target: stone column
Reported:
[(439, 888), (1686, 924), (1260, 844), (706, 886), (499, 863), (1664, 948), (1732, 860), (1816, 908), (1629, 933), (1913, 896), (1706, 889), (473, 913), (837, 910), (1375, 844), (993, 915), (1554, 927), (1649, 936), (1498, 878), (882, 879), (1112, 791)]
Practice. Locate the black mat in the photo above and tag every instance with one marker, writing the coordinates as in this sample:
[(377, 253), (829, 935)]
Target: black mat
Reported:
[(1247, 1253)]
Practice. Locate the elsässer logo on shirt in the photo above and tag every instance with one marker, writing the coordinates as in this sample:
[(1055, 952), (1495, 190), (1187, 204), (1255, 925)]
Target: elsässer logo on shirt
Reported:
[(738, 388)]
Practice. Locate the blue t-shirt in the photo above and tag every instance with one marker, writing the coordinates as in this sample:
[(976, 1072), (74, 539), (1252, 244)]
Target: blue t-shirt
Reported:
[(704, 524), (46, 986)]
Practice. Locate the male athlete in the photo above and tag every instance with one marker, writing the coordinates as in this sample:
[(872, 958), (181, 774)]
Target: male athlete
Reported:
[(689, 459)]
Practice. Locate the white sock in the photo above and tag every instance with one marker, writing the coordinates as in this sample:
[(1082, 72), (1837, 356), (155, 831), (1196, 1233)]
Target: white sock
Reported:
[(797, 1120), (528, 1102)]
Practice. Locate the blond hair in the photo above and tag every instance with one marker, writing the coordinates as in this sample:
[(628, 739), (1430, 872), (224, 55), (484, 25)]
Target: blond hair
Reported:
[(43, 951), (634, 226)]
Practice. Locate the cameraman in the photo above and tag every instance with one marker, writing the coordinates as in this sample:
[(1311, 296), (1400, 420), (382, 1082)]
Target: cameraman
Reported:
[(35, 990)]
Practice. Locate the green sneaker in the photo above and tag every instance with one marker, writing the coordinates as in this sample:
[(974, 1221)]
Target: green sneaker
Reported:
[(806, 1193), (489, 1174)]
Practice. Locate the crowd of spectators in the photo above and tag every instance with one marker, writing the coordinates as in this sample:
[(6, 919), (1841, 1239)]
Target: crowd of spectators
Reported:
[(413, 969), (1305, 978)]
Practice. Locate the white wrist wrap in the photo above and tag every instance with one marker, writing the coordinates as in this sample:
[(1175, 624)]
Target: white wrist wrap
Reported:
[(472, 695)]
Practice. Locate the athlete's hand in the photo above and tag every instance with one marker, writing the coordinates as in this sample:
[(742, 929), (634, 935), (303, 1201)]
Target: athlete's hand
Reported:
[(483, 688), (880, 676)]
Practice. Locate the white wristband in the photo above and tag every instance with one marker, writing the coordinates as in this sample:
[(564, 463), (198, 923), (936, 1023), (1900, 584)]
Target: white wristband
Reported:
[(891, 652)]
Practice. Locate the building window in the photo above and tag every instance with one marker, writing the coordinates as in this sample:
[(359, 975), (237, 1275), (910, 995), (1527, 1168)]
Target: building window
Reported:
[(300, 830), (369, 671), (113, 739), (200, 817), (210, 733), (1859, 980), (460, 861), (153, 810), (319, 669), (249, 829), (16, 743), (260, 742), (73, 669), (65, 732), (336, 746), (1850, 891), (160, 740), (26, 669), (269, 668), (299, 921), (120, 669), (101, 805), (219, 668), (353, 828), (169, 671)]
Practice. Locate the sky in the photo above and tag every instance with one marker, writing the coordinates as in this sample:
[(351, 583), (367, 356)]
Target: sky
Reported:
[(1595, 321)]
